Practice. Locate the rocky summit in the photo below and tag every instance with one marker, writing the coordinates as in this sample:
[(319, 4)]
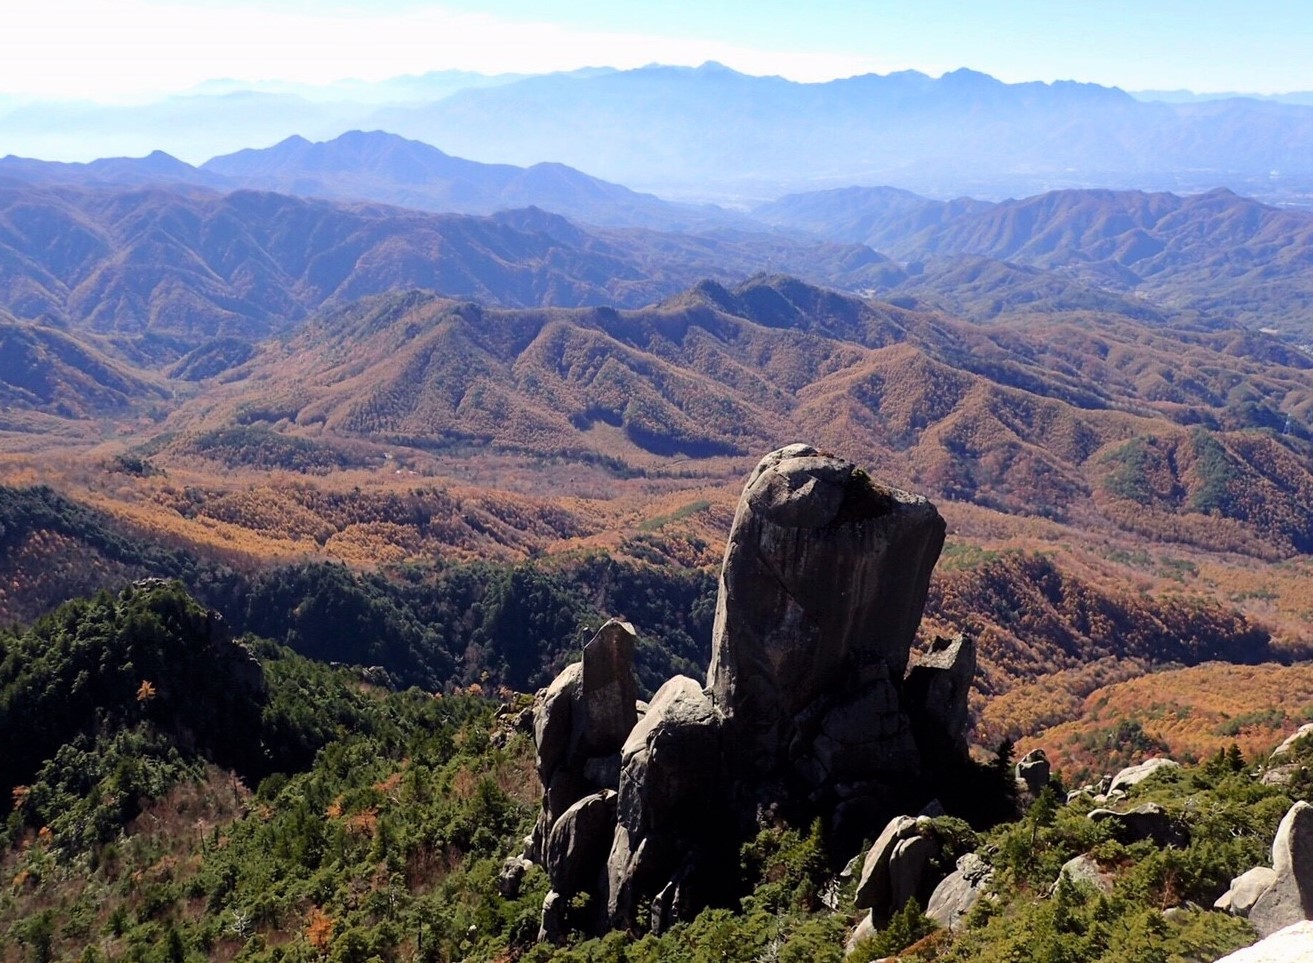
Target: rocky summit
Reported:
[(808, 711)]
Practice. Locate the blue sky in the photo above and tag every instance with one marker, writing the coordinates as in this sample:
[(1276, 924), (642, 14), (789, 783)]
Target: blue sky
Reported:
[(134, 48)]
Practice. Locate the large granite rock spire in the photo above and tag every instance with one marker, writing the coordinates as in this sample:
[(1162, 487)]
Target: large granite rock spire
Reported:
[(822, 587), (808, 709), (821, 592)]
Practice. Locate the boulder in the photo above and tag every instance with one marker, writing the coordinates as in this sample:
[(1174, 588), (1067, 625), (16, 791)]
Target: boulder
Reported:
[(959, 891), (1245, 891), (608, 691), (910, 871), (1305, 730), (898, 867), (511, 876), (1149, 821), (555, 927), (670, 793), (1290, 897), (1294, 944), (553, 717), (864, 930), (822, 587), (563, 789), (579, 842), (1085, 869), (671, 904), (1033, 770), (1278, 771), (936, 693), (1278, 775), (1134, 775), (873, 887)]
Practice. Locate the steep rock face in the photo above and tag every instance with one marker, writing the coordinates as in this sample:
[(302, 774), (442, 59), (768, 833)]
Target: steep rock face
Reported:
[(937, 691), (1290, 897), (669, 807), (578, 843), (821, 591), (610, 691), (806, 711), (580, 722)]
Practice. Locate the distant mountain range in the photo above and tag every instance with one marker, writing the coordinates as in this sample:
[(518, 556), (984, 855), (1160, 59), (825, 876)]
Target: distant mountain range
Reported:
[(148, 245), (1216, 254), (710, 133), (382, 167), (1180, 96), (187, 263)]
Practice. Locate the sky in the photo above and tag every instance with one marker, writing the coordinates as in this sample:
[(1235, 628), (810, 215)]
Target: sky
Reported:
[(116, 50)]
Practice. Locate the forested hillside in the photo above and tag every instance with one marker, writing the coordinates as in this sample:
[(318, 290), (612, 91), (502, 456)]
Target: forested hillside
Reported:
[(356, 823)]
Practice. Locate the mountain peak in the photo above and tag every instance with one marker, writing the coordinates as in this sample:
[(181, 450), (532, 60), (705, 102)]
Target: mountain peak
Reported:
[(966, 77), (296, 140)]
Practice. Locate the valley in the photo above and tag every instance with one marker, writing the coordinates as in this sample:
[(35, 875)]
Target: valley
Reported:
[(360, 441), (1093, 454)]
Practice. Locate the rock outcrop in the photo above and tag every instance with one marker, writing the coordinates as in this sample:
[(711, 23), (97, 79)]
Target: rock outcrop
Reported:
[(578, 843), (1288, 743), (937, 693), (1245, 890), (1290, 897), (1278, 771), (1294, 944), (874, 888), (1085, 870), (580, 724), (821, 591), (1033, 771), (1149, 821), (1134, 775), (1275, 897), (959, 891), (670, 807), (808, 709)]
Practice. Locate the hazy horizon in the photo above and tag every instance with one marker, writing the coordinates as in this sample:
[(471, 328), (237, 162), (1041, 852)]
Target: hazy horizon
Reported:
[(144, 49)]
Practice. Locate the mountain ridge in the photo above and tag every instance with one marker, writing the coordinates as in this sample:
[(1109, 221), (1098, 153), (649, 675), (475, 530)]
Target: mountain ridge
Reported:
[(375, 166), (716, 134), (904, 128), (1198, 436), (186, 261), (1217, 254)]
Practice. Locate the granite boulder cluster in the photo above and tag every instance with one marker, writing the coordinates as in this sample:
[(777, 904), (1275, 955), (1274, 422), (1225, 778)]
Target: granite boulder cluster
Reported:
[(808, 709)]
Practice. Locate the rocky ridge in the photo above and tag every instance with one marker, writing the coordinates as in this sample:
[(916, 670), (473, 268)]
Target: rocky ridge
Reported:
[(808, 709)]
